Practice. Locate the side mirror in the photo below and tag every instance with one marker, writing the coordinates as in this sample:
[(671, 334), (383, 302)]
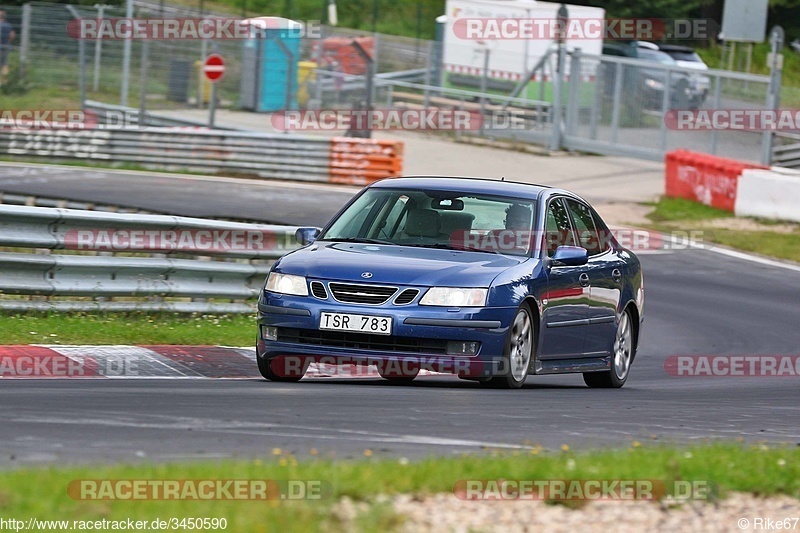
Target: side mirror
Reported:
[(306, 235), (570, 256)]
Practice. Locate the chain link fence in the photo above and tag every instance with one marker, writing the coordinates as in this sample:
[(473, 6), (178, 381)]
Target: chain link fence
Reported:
[(575, 100), (168, 72)]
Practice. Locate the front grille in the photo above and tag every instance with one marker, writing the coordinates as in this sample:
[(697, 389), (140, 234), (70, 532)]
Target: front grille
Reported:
[(361, 341), (318, 290), (361, 294), (406, 297)]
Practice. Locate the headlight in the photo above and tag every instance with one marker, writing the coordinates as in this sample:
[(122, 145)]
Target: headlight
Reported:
[(654, 84), (287, 284), (451, 297)]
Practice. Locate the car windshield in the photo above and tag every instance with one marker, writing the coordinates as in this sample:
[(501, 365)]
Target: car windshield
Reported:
[(437, 219), (655, 56)]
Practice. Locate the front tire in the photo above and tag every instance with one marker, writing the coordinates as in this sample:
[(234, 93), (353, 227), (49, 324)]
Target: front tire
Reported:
[(276, 370), (399, 376), (519, 352), (624, 350)]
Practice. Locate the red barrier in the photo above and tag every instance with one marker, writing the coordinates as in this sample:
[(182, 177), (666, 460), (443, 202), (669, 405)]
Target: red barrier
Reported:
[(363, 161), (704, 178)]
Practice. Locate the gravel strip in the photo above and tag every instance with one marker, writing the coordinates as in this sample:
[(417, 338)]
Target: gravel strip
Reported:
[(445, 512)]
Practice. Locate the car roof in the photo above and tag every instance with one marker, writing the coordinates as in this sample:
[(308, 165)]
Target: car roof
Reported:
[(675, 48), (467, 185)]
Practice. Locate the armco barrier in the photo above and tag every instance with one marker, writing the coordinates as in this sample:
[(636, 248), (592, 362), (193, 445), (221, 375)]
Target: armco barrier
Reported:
[(704, 178), (275, 156), (772, 194), (59, 229), (155, 276)]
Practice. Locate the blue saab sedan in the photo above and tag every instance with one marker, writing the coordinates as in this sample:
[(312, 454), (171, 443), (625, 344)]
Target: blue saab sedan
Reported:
[(489, 280)]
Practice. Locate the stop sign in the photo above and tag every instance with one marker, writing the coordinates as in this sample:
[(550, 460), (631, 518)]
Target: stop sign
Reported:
[(214, 67)]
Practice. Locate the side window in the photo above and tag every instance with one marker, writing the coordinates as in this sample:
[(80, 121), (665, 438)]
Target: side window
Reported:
[(585, 227), (558, 228), (391, 225)]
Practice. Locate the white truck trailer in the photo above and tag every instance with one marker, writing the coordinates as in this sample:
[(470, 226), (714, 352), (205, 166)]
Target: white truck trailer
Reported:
[(516, 34)]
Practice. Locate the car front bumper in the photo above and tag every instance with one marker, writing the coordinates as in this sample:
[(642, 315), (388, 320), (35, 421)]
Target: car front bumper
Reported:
[(422, 337)]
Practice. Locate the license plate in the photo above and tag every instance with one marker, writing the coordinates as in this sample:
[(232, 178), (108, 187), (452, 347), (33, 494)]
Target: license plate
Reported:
[(378, 325)]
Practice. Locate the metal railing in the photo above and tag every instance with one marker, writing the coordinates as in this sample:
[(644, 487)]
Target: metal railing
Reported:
[(110, 115), (786, 150), (274, 156), (152, 261)]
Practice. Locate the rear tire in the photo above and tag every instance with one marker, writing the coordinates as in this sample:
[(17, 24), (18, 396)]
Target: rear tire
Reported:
[(275, 370), (624, 351), (519, 353)]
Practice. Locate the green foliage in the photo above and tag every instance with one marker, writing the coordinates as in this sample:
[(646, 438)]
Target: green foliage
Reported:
[(14, 81), (652, 9)]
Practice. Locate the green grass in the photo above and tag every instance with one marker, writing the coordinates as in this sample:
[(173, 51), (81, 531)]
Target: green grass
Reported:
[(42, 492), (782, 246), (130, 328), (680, 209), (671, 214)]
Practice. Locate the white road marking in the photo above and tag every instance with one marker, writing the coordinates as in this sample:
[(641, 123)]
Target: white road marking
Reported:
[(717, 249), (273, 430)]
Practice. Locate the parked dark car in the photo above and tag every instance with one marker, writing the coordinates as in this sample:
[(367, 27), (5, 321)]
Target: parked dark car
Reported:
[(686, 57), (646, 85), (492, 281)]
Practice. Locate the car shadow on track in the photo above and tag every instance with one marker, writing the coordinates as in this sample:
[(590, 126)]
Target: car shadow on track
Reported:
[(426, 383)]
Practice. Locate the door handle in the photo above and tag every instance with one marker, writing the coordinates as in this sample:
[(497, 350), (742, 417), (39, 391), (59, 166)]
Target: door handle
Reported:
[(616, 275), (584, 279)]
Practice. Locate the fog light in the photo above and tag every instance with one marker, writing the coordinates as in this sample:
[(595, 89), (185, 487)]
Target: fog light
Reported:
[(462, 348), (269, 333)]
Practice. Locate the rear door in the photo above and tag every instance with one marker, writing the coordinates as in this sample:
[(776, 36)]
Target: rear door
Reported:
[(605, 277), (565, 304)]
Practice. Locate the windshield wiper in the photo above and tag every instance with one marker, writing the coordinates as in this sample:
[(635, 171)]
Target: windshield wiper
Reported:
[(359, 240), (442, 246), (436, 245)]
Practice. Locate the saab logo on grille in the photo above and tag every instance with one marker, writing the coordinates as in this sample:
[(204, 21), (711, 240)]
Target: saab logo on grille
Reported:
[(366, 275)]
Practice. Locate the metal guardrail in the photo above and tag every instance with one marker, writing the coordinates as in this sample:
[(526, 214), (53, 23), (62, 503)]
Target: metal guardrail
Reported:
[(58, 229), (274, 156), (107, 276), (786, 150), (113, 115), (269, 156)]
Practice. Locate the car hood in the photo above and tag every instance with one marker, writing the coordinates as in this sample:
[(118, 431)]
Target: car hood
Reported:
[(399, 265), (695, 65)]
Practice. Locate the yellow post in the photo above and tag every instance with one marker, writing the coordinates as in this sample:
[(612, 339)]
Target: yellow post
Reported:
[(203, 85), (306, 75)]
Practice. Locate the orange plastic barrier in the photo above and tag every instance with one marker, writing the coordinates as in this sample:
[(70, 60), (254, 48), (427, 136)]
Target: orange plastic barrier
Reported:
[(363, 161), (704, 178), (338, 54)]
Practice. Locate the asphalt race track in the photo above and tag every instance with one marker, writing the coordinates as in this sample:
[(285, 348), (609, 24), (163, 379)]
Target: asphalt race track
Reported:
[(287, 203), (698, 302)]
